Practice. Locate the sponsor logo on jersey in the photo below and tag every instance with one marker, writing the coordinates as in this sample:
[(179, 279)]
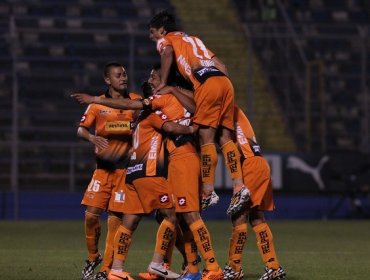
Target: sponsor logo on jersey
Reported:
[(240, 135), (119, 196), (104, 112), (153, 148), (83, 118), (164, 198), (184, 64), (118, 126), (135, 168)]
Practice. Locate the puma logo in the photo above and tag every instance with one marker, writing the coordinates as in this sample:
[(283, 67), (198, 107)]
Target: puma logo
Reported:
[(297, 163)]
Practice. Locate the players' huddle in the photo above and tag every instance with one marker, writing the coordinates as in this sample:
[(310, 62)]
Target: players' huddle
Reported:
[(158, 153)]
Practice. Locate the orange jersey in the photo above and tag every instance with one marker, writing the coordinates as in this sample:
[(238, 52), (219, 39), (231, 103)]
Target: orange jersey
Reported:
[(173, 110), (190, 53), (245, 135), (148, 152), (112, 124)]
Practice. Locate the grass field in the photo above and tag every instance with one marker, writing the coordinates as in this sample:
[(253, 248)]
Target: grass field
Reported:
[(306, 249)]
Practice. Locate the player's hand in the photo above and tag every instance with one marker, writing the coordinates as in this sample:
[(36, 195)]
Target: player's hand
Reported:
[(83, 98), (100, 142), (165, 90), (159, 87)]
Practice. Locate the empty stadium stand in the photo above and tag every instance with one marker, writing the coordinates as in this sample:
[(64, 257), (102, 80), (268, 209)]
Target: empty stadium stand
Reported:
[(60, 47), (315, 54)]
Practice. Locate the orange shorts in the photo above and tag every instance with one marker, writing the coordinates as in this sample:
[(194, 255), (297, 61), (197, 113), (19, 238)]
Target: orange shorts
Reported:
[(106, 189), (184, 176), (214, 101), (153, 193), (256, 176)]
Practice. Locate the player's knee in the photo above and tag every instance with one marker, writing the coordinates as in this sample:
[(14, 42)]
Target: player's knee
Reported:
[(91, 218)]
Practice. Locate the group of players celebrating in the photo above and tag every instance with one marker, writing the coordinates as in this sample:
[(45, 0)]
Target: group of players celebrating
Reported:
[(157, 152)]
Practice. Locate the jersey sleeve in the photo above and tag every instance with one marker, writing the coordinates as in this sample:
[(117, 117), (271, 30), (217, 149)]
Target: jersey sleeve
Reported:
[(162, 43), (157, 120), (89, 117), (158, 103)]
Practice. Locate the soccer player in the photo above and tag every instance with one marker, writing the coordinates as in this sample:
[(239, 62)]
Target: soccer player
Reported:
[(148, 188), (112, 141), (256, 174), (183, 176), (214, 97)]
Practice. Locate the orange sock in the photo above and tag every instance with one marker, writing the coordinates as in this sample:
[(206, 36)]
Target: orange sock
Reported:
[(232, 161), (208, 156), (165, 235), (169, 252), (92, 234), (122, 242), (204, 244), (113, 224), (191, 252), (236, 246), (265, 245)]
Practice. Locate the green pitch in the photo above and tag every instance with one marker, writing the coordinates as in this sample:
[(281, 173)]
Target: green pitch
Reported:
[(306, 249)]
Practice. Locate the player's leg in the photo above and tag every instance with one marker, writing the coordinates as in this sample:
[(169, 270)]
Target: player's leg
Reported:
[(92, 235), (233, 269), (179, 242), (114, 220), (122, 242), (96, 198), (266, 247), (203, 241), (241, 193), (113, 223), (166, 234), (133, 210), (208, 161)]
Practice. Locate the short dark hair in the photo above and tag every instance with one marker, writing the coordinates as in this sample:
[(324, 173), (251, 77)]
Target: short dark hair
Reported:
[(109, 66), (164, 19), (174, 77)]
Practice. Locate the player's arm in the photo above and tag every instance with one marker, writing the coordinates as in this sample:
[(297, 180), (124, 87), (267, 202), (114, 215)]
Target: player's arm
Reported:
[(118, 103), (184, 96), (166, 62), (98, 141), (175, 128), (220, 65)]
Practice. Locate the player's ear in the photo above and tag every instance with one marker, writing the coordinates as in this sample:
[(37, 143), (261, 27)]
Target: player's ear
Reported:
[(107, 80)]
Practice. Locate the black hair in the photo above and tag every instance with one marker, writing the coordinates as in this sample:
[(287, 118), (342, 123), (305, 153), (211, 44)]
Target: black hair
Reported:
[(109, 66), (164, 19), (174, 77), (146, 89)]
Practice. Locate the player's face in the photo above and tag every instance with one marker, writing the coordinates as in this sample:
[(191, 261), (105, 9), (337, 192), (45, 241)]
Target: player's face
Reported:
[(117, 78), (154, 79), (156, 33)]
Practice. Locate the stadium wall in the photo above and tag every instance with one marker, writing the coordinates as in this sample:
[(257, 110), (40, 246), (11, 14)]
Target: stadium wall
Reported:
[(66, 206)]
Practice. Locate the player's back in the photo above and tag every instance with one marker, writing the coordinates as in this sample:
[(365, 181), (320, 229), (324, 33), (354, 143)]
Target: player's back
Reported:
[(190, 54), (148, 153), (172, 110)]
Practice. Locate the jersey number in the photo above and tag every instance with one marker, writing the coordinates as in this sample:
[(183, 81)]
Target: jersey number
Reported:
[(94, 186), (198, 47)]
